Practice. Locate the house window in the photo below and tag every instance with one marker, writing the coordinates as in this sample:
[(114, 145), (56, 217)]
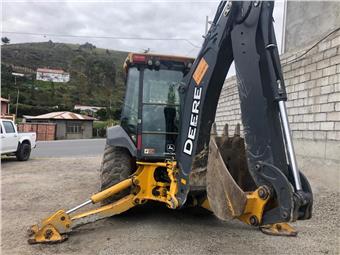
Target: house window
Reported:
[(73, 127)]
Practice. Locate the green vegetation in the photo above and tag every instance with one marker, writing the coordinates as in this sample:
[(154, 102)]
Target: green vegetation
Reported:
[(99, 127), (5, 40), (97, 77)]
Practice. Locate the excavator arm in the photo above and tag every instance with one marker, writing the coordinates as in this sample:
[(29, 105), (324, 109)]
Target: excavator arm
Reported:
[(243, 32)]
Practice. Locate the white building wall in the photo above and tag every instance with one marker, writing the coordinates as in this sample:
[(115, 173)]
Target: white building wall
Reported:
[(54, 77)]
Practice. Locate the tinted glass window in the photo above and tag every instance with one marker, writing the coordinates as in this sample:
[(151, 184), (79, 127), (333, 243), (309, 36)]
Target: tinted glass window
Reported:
[(160, 111), (9, 128), (129, 118), (161, 87), (160, 118), (161, 100)]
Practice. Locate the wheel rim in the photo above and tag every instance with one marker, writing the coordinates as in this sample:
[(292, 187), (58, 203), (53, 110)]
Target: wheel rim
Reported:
[(26, 152)]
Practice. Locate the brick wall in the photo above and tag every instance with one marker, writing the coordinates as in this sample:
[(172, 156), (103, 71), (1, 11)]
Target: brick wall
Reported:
[(313, 88)]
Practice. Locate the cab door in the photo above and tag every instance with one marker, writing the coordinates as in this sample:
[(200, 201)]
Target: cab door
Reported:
[(160, 113), (9, 137)]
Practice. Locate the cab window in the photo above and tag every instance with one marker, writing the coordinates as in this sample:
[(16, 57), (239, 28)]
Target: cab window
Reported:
[(8, 126), (129, 119)]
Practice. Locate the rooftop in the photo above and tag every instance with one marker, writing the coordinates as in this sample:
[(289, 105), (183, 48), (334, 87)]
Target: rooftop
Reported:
[(61, 116), (4, 99), (47, 70), (87, 107)]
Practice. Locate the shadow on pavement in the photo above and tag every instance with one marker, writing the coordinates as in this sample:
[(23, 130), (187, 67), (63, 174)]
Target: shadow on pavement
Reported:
[(6, 159)]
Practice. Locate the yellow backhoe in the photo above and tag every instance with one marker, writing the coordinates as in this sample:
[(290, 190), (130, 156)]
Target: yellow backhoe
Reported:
[(166, 148)]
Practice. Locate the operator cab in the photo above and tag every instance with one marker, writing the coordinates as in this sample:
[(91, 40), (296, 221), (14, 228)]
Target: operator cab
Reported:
[(151, 108)]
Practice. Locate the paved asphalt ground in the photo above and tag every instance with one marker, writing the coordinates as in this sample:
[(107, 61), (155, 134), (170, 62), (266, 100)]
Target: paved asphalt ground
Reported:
[(69, 148)]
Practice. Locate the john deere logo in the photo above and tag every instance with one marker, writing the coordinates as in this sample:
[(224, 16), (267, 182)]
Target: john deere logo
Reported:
[(189, 143), (170, 148)]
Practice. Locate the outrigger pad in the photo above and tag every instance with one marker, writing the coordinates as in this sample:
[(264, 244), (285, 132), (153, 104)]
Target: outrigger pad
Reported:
[(226, 198), (279, 229)]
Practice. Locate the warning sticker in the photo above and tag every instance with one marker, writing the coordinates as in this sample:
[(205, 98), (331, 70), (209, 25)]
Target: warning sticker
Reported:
[(200, 71)]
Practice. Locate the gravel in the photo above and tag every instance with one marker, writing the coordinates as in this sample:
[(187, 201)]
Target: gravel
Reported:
[(32, 190)]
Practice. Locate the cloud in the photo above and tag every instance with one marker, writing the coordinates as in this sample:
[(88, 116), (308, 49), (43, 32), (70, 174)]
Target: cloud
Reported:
[(157, 19)]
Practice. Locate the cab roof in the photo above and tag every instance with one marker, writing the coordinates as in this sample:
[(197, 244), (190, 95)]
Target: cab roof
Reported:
[(133, 58)]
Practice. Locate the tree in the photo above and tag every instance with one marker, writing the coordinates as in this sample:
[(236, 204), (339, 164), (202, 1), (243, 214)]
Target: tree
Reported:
[(5, 40), (87, 46), (102, 114)]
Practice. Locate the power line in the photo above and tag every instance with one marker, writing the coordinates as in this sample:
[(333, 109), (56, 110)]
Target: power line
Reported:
[(108, 37)]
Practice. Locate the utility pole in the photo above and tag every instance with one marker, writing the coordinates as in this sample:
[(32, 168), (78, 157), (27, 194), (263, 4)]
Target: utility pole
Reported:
[(207, 23), (18, 91), (284, 20)]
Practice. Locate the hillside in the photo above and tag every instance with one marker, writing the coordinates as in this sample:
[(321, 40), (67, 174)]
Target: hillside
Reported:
[(97, 76)]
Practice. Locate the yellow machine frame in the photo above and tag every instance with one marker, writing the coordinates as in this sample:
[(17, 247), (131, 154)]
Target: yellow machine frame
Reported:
[(143, 187)]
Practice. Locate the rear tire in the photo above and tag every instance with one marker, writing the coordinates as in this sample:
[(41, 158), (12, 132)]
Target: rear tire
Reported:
[(24, 151), (116, 166)]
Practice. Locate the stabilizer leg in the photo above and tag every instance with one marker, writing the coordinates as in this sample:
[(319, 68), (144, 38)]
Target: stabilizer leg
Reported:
[(54, 228), (145, 187), (279, 229)]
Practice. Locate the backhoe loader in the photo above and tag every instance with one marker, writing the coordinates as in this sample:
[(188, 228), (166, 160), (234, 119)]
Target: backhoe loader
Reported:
[(166, 148)]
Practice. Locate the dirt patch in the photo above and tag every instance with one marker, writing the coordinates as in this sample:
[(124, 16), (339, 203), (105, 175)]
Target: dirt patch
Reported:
[(32, 190)]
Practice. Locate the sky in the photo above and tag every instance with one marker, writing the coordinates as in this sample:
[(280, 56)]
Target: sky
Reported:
[(182, 23)]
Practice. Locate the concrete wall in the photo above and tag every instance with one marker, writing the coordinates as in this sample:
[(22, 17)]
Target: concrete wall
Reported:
[(313, 87), (61, 129), (307, 20), (86, 126), (88, 129)]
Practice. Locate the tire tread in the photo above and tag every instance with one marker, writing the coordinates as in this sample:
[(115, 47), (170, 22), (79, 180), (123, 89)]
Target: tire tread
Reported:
[(116, 166)]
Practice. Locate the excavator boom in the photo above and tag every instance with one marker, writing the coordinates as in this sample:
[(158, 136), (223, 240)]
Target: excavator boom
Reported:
[(243, 32)]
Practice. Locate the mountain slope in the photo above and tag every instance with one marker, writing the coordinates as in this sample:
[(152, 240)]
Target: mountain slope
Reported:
[(97, 76)]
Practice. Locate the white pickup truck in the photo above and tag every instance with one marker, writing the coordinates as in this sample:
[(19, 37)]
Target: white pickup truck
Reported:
[(14, 143)]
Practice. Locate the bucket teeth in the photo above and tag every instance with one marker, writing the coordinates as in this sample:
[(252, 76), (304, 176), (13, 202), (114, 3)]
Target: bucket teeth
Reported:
[(226, 131), (213, 130), (237, 130)]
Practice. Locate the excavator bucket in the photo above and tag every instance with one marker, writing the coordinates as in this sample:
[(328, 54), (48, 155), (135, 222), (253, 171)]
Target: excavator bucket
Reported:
[(231, 191), (226, 169), (222, 169)]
